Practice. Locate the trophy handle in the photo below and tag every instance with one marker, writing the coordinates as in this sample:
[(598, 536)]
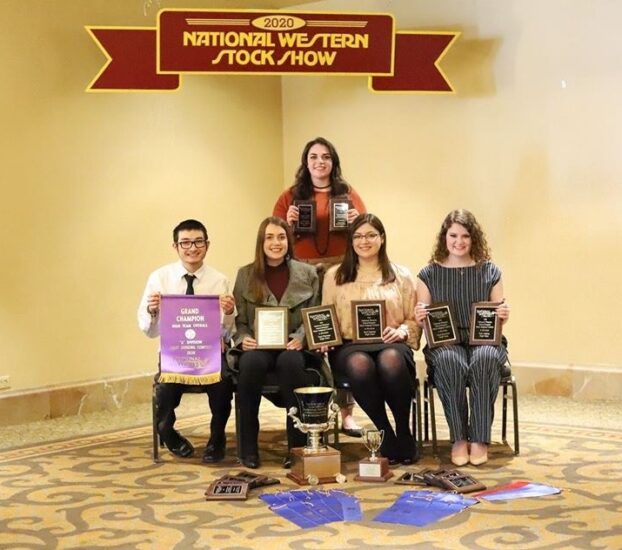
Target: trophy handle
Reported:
[(332, 413), (297, 422)]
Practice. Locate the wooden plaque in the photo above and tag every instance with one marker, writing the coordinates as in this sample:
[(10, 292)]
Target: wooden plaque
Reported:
[(321, 326), (368, 321), (440, 326), (227, 490), (306, 216), (485, 327)]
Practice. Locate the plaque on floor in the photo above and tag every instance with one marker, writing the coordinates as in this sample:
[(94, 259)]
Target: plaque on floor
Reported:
[(222, 489)]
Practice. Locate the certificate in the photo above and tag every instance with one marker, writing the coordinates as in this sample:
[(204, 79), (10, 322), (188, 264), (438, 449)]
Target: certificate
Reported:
[(321, 327), (440, 326), (368, 321), (271, 327), (485, 328)]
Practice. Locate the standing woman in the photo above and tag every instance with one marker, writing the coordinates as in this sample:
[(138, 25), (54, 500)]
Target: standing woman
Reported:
[(460, 272), (379, 373), (319, 178), (273, 279)]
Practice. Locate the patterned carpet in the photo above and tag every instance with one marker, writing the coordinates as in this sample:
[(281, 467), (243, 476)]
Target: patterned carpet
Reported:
[(105, 492)]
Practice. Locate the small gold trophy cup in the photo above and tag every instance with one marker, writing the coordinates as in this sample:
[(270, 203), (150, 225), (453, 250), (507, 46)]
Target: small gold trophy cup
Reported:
[(374, 468), (316, 462)]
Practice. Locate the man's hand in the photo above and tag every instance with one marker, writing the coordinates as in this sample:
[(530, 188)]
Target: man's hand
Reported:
[(153, 304)]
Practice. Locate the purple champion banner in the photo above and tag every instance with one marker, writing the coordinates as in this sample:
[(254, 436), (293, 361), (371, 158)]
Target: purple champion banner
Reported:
[(190, 351)]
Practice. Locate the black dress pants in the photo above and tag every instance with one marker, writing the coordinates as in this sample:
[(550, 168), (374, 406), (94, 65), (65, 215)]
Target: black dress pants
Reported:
[(168, 397)]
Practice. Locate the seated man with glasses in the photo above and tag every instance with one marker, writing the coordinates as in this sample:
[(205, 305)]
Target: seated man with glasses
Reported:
[(190, 275)]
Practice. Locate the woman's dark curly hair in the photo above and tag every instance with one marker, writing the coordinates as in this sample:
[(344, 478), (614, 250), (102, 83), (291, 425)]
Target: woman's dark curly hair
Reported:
[(303, 186)]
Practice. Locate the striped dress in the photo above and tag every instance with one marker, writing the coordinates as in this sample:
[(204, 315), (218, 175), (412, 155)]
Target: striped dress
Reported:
[(458, 366)]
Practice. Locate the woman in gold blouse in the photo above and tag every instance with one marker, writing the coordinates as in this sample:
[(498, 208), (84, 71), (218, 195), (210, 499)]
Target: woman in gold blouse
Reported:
[(379, 373)]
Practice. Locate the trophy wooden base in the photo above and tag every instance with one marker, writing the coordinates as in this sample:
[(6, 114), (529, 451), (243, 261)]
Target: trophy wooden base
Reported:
[(324, 465), (374, 470)]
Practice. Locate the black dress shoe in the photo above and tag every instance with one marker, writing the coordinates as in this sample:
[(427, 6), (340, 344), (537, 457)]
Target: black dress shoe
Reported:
[(182, 448), (407, 461), (287, 462), (214, 452), (251, 461), (393, 461)]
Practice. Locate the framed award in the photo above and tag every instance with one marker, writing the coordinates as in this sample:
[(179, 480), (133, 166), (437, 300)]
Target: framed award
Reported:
[(368, 321), (321, 326), (306, 216), (338, 213), (271, 327), (227, 490), (440, 325), (485, 327)]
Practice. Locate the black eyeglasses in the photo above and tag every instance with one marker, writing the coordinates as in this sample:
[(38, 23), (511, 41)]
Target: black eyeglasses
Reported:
[(199, 243)]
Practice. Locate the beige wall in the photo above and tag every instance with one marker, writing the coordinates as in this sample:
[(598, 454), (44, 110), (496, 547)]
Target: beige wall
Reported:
[(93, 183), (530, 143)]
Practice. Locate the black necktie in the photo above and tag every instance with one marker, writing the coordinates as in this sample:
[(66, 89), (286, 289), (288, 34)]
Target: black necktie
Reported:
[(189, 279)]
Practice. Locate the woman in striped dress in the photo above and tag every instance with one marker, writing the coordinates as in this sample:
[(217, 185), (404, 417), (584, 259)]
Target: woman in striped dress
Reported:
[(460, 272)]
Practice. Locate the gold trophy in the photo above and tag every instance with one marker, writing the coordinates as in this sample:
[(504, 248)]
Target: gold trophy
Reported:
[(374, 468), (316, 462)]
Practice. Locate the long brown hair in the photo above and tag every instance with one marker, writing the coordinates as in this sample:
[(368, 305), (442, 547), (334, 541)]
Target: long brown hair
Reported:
[(303, 185), (257, 283), (346, 272), (480, 252)]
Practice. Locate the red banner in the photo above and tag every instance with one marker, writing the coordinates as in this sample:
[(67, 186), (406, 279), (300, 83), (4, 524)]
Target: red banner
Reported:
[(262, 42)]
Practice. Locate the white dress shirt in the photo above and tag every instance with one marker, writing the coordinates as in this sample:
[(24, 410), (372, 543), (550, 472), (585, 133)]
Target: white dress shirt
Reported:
[(169, 279)]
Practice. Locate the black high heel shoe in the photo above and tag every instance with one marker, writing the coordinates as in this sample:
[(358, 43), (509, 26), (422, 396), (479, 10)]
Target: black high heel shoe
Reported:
[(388, 449), (407, 450)]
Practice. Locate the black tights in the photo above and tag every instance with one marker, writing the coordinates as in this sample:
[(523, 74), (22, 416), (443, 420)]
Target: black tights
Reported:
[(254, 367), (382, 377)]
